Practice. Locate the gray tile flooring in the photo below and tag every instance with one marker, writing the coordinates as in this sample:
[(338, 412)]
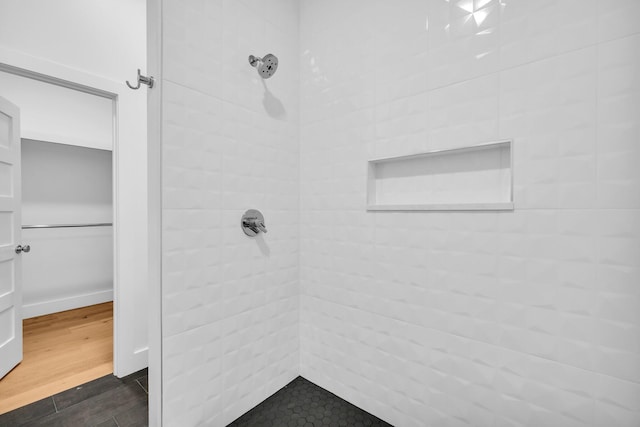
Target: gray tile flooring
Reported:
[(303, 404), (107, 401), (114, 402)]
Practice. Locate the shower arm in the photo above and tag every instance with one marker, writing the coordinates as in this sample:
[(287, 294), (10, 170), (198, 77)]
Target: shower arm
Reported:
[(253, 60)]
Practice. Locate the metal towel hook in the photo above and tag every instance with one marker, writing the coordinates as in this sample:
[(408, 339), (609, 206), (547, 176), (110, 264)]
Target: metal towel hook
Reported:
[(142, 79)]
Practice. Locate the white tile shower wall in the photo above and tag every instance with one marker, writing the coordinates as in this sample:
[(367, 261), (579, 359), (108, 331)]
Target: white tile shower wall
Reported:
[(523, 318), (230, 143)]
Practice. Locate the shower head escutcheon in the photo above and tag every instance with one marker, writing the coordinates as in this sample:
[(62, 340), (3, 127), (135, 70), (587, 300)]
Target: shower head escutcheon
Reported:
[(266, 65)]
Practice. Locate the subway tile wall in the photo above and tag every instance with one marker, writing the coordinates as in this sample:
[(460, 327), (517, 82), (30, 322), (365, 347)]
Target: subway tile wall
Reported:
[(230, 143), (521, 318), (524, 318)]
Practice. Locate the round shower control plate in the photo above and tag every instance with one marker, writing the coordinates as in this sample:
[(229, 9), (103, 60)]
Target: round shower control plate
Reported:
[(249, 217)]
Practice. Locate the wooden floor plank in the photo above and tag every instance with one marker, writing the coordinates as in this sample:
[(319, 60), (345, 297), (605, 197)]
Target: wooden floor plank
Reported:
[(61, 350)]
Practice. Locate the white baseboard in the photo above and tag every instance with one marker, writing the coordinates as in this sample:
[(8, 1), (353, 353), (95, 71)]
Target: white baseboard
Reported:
[(62, 304), (134, 362)]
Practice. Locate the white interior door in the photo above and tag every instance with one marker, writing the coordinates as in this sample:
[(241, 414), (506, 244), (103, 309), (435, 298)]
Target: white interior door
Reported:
[(10, 235)]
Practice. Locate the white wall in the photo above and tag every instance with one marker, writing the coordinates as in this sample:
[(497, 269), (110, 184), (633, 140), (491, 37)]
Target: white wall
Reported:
[(106, 38), (230, 143), (58, 114), (64, 184), (100, 41), (523, 318), (67, 267), (520, 318)]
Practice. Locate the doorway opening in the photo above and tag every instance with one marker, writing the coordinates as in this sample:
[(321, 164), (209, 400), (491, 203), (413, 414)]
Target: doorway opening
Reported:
[(61, 350), (64, 183), (82, 64)]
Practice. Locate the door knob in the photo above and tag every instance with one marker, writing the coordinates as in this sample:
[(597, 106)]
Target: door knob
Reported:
[(25, 248)]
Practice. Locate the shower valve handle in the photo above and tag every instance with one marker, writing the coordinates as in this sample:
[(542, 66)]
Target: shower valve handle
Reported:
[(261, 227), (252, 223), (255, 225)]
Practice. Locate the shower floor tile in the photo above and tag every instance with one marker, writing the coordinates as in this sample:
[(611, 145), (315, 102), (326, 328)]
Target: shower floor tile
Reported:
[(303, 404)]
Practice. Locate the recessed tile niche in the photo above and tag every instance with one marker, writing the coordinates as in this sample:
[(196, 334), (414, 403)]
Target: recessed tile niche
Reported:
[(476, 177)]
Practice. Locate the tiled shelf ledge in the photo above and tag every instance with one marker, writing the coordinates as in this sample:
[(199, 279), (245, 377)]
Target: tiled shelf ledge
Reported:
[(471, 178), (506, 206)]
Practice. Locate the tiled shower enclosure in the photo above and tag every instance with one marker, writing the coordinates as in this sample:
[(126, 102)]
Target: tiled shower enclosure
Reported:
[(528, 316)]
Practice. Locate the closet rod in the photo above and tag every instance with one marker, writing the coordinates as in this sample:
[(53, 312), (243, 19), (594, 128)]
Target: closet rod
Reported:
[(99, 224)]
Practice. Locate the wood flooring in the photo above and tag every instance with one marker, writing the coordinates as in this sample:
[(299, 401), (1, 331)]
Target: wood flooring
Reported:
[(61, 351)]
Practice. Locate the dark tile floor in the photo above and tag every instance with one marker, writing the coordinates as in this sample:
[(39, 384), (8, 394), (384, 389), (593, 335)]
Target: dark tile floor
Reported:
[(114, 402), (303, 404), (107, 401)]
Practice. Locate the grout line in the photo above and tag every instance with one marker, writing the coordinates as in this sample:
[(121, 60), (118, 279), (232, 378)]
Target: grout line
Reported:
[(499, 69), (140, 384), (498, 346), (299, 201), (524, 208), (597, 125), (54, 404)]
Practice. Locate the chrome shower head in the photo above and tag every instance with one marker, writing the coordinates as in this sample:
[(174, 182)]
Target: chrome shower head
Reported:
[(266, 66)]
